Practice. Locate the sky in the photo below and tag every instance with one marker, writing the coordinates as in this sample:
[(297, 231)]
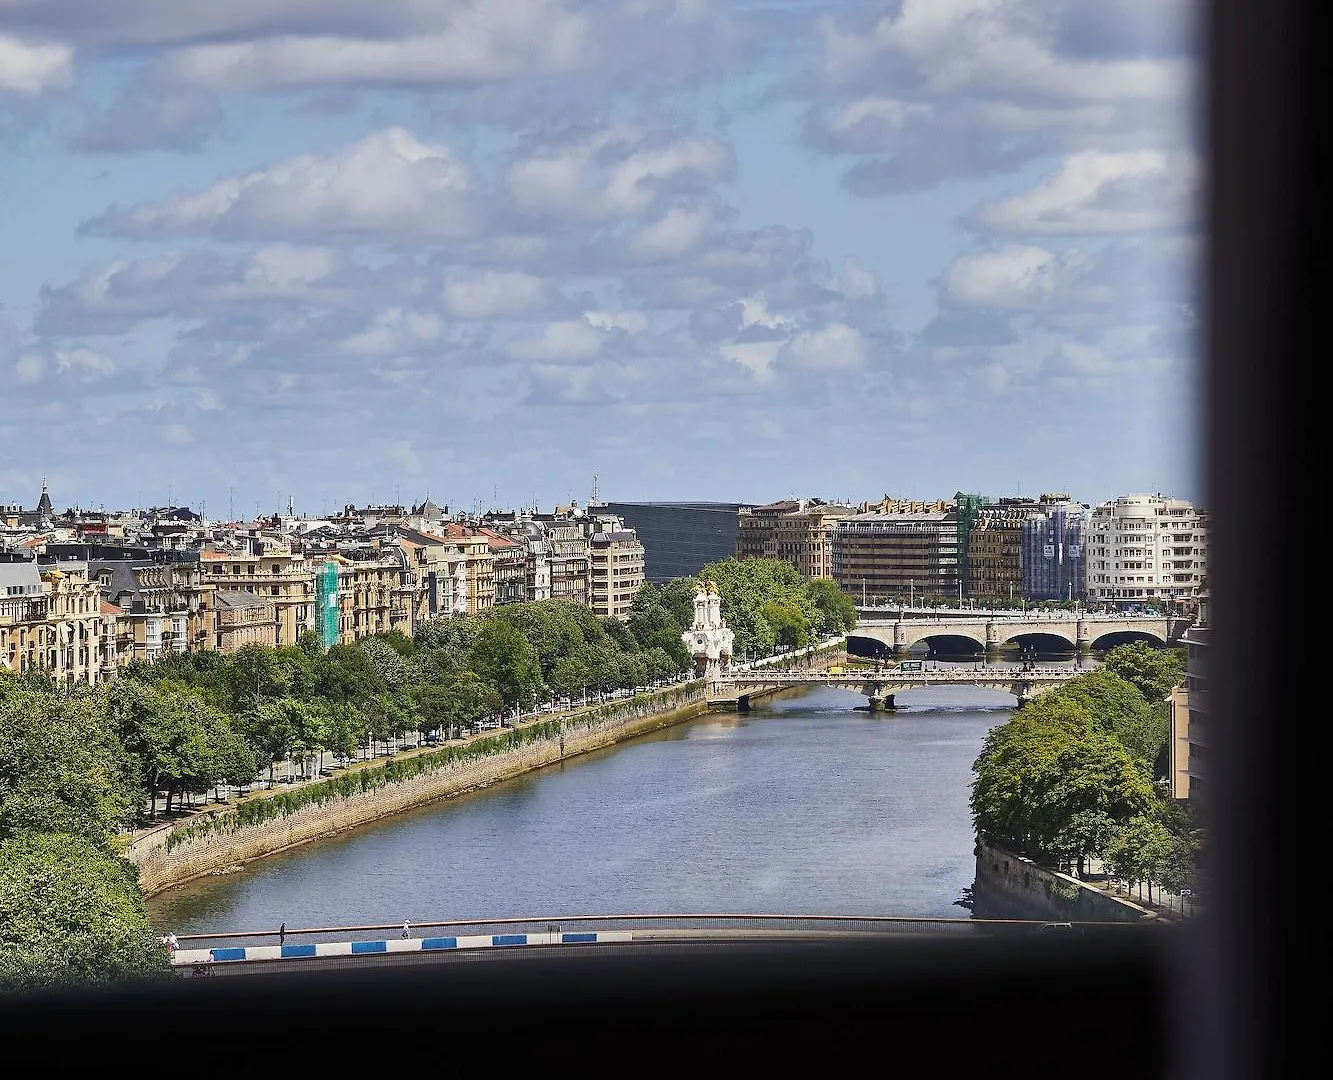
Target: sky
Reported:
[(499, 251)]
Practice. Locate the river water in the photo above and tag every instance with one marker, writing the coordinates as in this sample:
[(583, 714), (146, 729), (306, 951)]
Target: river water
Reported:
[(803, 806)]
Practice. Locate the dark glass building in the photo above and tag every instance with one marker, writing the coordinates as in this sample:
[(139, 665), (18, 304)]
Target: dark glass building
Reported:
[(680, 538)]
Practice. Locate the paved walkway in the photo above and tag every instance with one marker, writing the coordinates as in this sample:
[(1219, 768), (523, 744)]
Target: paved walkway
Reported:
[(262, 788)]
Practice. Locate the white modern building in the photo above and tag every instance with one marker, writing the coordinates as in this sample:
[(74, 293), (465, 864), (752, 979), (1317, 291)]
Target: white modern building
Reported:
[(1146, 549)]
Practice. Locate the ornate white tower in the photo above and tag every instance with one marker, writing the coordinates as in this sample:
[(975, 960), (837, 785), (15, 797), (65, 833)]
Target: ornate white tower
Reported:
[(709, 640)]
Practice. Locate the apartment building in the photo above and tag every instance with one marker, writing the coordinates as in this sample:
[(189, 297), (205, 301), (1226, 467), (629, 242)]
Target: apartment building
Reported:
[(1142, 548), (894, 557), (994, 555), (240, 619), (797, 531), (53, 618), (1055, 549), (163, 606), (284, 576), (615, 572)]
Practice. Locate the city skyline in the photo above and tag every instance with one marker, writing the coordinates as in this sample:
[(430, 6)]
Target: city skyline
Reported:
[(703, 250)]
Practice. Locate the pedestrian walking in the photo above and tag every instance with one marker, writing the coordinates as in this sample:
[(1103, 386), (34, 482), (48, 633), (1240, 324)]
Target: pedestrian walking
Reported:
[(407, 930), (170, 942), (282, 933)]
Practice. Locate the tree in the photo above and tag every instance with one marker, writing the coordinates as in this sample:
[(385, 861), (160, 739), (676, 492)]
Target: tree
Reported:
[(502, 657), (835, 611), (1044, 767), (789, 622), (72, 916), (1118, 709), (1141, 851), (62, 767), (1153, 672)]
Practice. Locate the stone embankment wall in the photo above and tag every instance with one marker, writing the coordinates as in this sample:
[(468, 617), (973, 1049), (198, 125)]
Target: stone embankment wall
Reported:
[(1011, 886), (175, 854)]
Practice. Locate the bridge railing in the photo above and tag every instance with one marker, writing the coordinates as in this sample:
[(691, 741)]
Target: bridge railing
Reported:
[(645, 927)]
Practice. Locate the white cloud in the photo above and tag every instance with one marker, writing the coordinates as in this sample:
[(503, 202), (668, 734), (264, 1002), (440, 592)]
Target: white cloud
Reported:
[(610, 174), (177, 434), (831, 348), (1096, 192), (282, 265), (29, 368), (30, 69), (991, 46), (632, 322), (84, 362), (483, 41), (570, 339), (756, 357), (390, 183), (676, 233), (1014, 277), (393, 331), (493, 293)]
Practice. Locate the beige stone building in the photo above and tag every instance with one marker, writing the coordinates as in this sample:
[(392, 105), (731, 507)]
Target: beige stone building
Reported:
[(1146, 548), (797, 531), (242, 618), (896, 557), (285, 577), (476, 550), (615, 572), (161, 607), (995, 554), (52, 617)]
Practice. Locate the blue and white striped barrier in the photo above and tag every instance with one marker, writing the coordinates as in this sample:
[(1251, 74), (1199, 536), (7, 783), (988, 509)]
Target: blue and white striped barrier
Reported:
[(185, 957)]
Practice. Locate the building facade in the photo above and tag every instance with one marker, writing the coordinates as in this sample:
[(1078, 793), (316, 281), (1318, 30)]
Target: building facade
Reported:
[(1055, 550), (1146, 549), (680, 538), (615, 572), (890, 558), (797, 531), (284, 576)]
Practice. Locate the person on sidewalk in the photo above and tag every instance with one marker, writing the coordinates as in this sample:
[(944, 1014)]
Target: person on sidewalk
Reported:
[(282, 933), (407, 930)]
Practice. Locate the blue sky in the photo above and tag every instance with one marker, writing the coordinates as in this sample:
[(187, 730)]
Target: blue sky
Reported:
[(488, 249)]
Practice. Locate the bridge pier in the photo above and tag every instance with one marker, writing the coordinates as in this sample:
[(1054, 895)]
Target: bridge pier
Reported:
[(882, 704)]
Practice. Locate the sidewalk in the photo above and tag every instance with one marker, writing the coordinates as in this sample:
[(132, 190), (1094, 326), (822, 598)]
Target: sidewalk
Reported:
[(1164, 904), (261, 788)]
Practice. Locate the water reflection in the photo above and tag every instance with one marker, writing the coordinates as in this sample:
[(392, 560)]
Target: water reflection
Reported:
[(801, 806)]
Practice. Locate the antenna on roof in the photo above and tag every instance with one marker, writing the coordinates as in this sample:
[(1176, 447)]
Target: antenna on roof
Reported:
[(594, 487)]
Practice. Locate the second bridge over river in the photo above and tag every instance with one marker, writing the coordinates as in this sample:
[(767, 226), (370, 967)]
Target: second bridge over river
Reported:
[(880, 686)]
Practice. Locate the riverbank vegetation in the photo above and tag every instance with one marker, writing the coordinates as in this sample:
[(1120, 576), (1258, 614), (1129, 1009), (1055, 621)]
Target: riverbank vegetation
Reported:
[(1078, 774), (71, 913), (80, 768)]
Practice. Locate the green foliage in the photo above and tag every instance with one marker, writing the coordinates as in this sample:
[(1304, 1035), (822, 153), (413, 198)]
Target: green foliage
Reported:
[(768, 603), (1047, 766), (1118, 709), (501, 655), (62, 768), (1153, 672), (72, 916)]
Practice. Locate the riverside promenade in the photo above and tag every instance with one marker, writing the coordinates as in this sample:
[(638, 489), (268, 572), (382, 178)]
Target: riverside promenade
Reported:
[(222, 837)]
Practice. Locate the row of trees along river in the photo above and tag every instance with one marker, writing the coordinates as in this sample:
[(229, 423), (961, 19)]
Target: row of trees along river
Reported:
[(81, 768)]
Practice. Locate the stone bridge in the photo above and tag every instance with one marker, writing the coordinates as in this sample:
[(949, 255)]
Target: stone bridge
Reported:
[(992, 634), (879, 687)]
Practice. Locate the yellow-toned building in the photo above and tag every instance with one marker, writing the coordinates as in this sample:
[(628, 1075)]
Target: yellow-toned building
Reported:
[(476, 551), (51, 617), (284, 577), (240, 619), (797, 531)]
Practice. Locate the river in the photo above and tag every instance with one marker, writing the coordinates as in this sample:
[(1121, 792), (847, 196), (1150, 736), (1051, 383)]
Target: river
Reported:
[(805, 805)]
